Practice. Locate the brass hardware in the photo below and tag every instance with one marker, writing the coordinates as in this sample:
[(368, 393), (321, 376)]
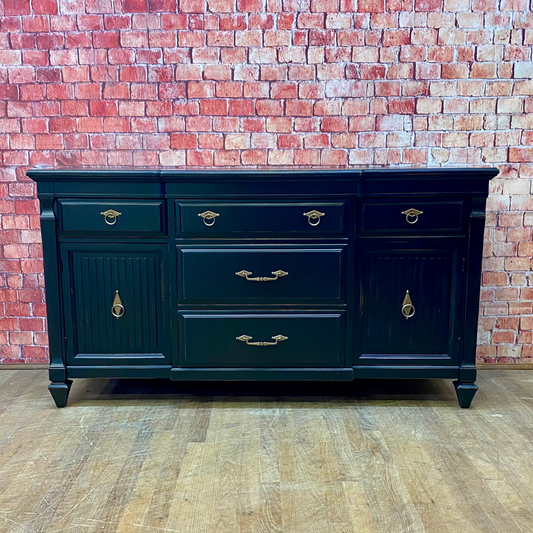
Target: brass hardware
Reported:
[(209, 216), (117, 310), (411, 215), (314, 215), (408, 309), (247, 339), (245, 274), (111, 216)]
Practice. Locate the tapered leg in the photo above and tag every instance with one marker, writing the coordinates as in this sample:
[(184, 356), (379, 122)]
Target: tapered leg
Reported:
[(465, 393), (59, 391)]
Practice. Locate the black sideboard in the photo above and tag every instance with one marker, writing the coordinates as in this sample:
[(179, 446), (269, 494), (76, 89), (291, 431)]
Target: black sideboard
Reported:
[(283, 274)]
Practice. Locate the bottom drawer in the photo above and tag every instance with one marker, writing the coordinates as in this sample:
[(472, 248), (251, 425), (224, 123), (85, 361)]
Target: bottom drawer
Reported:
[(261, 340)]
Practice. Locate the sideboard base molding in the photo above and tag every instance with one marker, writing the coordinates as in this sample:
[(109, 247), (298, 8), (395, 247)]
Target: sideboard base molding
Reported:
[(402, 372), (262, 374), (120, 372)]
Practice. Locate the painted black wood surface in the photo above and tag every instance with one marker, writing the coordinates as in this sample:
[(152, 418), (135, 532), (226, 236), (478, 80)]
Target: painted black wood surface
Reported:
[(299, 274)]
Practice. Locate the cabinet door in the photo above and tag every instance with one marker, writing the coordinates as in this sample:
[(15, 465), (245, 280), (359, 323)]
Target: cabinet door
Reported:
[(114, 304), (410, 307)]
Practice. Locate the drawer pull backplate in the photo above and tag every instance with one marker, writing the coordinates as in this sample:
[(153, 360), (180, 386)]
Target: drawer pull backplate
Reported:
[(117, 310), (247, 339), (408, 309), (111, 216), (246, 274), (411, 215), (313, 217), (209, 217)]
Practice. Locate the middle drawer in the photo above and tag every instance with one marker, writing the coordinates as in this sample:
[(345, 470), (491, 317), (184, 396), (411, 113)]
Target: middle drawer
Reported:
[(261, 275)]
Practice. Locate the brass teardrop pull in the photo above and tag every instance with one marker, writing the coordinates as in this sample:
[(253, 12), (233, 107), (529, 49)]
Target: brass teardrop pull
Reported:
[(209, 217), (411, 215), (117, 310), (313, 217), (408, 309), (111, 216)]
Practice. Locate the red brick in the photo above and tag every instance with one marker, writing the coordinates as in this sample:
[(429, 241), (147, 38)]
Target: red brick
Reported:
[(192, 6), (202, 158), (241, 107), (334, 124), (17, 7), (162, 5), (135, 6), (183, 141), (428, 5), (371, 6)]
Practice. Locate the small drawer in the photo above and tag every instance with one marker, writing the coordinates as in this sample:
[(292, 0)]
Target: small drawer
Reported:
[(264, 275), (240, 219), (412, 217), (109, 217), (261, 340)]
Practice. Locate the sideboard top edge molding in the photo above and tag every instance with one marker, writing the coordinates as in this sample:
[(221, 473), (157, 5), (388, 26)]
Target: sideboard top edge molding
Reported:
[(278, 173)]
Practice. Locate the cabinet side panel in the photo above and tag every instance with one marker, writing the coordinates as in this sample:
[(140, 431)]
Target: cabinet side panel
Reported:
[(52, 286), (472, 289)]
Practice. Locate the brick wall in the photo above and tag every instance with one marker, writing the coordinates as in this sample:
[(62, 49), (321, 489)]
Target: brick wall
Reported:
[(268, 82)]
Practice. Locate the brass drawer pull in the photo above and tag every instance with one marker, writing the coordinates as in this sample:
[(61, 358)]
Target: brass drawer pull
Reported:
[(117, 310), (111, 216), (313, 217), (411, 215), (247, 339), (408, 309), (209, 217), (246, 275)]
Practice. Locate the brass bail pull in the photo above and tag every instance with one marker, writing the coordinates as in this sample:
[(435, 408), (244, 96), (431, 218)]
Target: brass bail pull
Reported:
[(412, 214), (408, 309), (246, 275), (209, 217), (117, 309), (111, 216), (276, 338), (313, 217)]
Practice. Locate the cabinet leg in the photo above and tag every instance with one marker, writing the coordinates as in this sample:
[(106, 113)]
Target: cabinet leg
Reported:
[(465, 393), (59, 391)]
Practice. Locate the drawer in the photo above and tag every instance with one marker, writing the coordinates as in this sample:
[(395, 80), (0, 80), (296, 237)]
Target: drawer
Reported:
[(261, 340), (412, 217), (262, 275), (239, 219), (102, 218)]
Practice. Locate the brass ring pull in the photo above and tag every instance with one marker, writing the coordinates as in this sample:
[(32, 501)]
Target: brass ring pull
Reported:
[(209, 217), (411, 215), (246, 275), (408, 309), (313, 217), (111, 216), (117, 310), (247, 339)]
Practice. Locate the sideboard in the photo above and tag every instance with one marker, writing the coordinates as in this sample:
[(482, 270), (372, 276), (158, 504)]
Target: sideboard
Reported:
[(251, 274)]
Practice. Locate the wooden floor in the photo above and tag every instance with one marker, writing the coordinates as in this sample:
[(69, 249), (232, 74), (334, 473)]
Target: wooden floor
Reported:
[(376, 457)]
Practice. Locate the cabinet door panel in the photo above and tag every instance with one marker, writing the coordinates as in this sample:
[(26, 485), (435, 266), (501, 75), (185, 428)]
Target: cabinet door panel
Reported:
[(97, 277), (431, 334)]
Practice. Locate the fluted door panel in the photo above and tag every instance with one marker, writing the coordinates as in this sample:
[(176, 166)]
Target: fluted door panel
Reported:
[(115, 301), (409, 306)]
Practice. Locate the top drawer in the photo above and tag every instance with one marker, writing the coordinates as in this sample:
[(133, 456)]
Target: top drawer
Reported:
[(416, 217), (240, 219), (141, 218)]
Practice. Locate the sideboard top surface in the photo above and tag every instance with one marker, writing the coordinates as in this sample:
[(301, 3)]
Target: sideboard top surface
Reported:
[(269, 174)]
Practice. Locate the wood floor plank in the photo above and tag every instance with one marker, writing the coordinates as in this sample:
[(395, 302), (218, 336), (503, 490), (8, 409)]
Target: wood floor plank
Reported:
[(143, 458)]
